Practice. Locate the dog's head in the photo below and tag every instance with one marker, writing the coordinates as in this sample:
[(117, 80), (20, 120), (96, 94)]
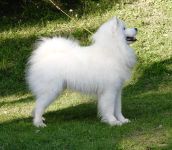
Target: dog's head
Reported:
[(129, 33), (116, 29)]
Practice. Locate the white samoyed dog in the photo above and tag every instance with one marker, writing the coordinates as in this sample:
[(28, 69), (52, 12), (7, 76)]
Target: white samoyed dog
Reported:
[(101, 68)]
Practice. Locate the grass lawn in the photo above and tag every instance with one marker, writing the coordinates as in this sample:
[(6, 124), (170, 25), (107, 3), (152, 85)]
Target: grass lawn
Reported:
[(72, 121)]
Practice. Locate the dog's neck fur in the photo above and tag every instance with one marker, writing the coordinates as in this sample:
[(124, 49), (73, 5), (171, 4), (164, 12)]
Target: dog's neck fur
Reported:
[(119, 45)]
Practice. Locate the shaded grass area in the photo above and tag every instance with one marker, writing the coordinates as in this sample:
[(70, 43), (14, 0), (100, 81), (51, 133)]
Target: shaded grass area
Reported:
[(154, 77), (72, 121), (33, 12), (77, 127)]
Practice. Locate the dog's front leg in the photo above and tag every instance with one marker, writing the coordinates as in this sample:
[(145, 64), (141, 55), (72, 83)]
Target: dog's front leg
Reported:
[(118, 108), (106, 103)]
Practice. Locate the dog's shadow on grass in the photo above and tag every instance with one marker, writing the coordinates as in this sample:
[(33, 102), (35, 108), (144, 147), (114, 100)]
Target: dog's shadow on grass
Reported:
[(80, 112)]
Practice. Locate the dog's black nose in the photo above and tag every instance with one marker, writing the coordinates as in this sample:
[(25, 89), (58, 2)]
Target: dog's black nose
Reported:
[(136, 29)]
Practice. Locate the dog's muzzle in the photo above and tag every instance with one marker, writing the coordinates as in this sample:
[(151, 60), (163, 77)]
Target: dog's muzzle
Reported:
[(132, 38)]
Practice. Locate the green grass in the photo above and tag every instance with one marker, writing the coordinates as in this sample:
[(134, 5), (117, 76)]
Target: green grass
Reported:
[(72, 120)]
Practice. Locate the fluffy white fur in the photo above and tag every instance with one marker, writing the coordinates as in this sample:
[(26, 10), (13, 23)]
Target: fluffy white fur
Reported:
[(101, 68)]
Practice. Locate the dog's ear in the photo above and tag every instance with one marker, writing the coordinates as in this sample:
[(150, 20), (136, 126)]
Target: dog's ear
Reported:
[(115, 21)]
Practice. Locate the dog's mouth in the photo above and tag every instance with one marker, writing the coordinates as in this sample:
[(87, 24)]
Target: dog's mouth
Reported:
[(130, 39)]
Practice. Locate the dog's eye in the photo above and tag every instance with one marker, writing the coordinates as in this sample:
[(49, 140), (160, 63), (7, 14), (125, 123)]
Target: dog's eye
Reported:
[(124, 28)]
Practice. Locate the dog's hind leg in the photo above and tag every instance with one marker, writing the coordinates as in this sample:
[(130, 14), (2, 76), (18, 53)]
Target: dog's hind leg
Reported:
[(43, 100)]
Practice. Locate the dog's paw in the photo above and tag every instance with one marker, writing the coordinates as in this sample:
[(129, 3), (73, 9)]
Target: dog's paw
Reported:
[(115, 123), (124, 120), (112, 121), (39, 124)]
